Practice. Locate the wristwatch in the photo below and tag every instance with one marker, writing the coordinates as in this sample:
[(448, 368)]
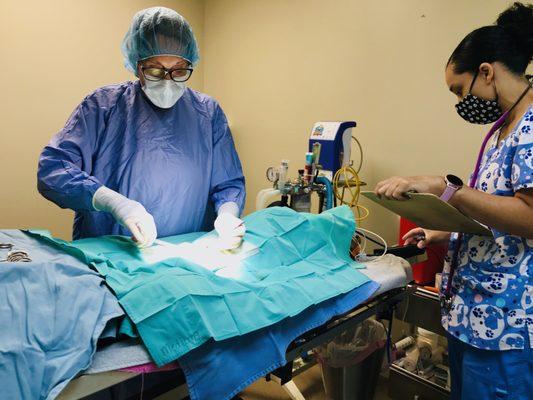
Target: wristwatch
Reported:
[(453, 184)]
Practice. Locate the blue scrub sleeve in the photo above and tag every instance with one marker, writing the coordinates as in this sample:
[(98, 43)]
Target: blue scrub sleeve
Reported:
[(63, 175), (227, 179)]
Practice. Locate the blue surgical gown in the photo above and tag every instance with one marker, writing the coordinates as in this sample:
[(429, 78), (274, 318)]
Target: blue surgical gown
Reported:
[(179, 163)]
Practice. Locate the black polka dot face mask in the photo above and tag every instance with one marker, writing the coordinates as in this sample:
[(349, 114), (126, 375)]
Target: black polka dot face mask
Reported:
[(477, 110)]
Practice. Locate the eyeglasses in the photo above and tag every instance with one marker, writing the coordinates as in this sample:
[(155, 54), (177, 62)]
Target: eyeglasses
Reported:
[(176, 74)]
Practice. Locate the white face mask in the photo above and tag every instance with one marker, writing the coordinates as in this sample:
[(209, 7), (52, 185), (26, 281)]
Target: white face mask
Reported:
[(164, 93)]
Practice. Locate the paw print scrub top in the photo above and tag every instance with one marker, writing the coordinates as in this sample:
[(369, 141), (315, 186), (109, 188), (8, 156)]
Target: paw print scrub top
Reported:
[(492, 303)]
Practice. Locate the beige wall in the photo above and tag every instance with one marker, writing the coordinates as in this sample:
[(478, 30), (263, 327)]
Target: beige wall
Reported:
[(53, 53), (278, 66)]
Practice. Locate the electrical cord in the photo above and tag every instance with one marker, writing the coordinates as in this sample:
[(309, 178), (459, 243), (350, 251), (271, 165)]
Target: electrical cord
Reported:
[(370, 239), (360, 153), (366, 232), (352, 182)]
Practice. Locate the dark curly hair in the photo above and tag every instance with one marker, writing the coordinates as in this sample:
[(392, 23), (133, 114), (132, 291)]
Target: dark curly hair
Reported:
[(509, 41)]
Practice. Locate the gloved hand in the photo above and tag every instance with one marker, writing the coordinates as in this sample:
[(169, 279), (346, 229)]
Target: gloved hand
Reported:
[(229, 227), (128, 213)]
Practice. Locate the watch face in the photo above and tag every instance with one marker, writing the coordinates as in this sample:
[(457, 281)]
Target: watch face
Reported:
[(454, 180)]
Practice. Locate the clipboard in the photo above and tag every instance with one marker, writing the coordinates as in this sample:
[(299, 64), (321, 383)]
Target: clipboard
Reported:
[(430, 212)]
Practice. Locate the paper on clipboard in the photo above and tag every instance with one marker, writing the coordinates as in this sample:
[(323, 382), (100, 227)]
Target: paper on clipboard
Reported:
[(430, 212)]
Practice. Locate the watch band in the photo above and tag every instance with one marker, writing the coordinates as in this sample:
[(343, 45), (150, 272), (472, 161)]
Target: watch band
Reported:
[(453, 184), (449, 192)]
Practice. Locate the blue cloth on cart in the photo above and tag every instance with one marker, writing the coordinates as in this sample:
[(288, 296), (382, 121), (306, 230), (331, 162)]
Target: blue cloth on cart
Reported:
[(257, 353), (52, 312)]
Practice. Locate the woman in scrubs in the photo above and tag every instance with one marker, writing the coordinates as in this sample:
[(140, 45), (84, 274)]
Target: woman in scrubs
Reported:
[(487, 293), (148, 157)]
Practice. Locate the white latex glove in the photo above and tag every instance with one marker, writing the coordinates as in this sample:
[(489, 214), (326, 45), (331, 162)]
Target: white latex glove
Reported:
[(229, 226), (128, 213)]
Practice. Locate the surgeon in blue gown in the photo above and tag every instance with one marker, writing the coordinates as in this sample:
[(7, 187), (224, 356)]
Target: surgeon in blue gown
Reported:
[(148, 158)]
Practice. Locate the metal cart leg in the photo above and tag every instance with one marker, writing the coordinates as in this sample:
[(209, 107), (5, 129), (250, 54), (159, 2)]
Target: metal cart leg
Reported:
[(292, 390), (283, 376)]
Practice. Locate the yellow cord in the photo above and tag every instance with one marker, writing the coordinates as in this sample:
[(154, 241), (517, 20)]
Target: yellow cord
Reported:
[(351, 182)]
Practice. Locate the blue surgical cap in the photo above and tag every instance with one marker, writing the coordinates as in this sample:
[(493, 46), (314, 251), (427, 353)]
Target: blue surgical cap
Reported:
[(158, 31)]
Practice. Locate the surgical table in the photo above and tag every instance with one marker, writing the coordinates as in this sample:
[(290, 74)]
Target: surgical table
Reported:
[(392, 291)]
